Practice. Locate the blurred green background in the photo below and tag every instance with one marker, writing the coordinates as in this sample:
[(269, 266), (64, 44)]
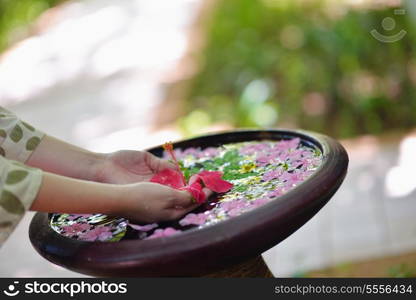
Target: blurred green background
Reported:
[(16, 15), (308, 64)]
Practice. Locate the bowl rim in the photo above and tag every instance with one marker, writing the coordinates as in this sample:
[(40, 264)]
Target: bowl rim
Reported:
[(192, 249)]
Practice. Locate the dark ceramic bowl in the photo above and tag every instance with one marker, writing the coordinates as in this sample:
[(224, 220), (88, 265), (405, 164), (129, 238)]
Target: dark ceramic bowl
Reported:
[(201, 251)]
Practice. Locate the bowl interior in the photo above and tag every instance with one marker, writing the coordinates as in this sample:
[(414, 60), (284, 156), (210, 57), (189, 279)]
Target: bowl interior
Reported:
[(218, 207)]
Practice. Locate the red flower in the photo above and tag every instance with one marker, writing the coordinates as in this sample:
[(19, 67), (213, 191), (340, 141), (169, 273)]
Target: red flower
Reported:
[(213, 181), (175, 179), (170, 178), (196, 191)]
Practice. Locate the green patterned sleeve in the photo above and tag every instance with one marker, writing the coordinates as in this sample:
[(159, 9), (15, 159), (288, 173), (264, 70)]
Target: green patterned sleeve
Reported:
[(19, 184), (17, 138)]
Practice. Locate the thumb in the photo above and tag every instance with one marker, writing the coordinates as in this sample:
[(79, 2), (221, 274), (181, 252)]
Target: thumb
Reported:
[(208, 193), (157, 164), (160, 164)]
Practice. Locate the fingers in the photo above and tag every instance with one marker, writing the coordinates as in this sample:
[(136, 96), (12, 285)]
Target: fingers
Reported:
[(207, 192), (164, 164), (177, 213), (183, 203), (193, 179), (157, 164), (182, 199)]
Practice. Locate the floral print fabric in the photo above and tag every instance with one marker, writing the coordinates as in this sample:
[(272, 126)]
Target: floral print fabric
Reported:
[(19, 184)]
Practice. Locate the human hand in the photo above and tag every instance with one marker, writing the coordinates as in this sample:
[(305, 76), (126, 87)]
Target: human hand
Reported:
[(128, 166), (144, 201), (151, 202)]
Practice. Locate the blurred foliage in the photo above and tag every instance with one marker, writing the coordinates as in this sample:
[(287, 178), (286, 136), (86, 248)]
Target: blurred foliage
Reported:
[(401, 271), (309, 64), (16, 15)]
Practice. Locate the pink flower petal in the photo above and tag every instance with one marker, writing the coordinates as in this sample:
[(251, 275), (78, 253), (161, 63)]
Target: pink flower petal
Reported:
[(193, 219), (273, 174), (210, 152), (76, 228), (263, 160), (164, 232), (260, 202), (146, 227), (74, 216), (276, 193), (99, 232), (287, 144), (233, 204), (105, 236), (235, 212), (291, 178)]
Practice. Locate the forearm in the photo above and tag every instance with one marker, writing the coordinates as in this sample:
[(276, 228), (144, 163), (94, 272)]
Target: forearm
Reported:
[(144, 202), (68, 195), (55, 156)]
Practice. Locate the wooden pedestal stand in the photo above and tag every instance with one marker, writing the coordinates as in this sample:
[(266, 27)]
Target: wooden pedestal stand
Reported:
[(252, 268)]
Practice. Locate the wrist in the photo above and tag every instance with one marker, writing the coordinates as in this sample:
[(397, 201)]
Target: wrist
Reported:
[(128, 202), (117, 200), (95, 165)]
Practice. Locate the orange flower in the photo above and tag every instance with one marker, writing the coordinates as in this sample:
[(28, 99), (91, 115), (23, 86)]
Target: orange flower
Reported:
[(168, 146)]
